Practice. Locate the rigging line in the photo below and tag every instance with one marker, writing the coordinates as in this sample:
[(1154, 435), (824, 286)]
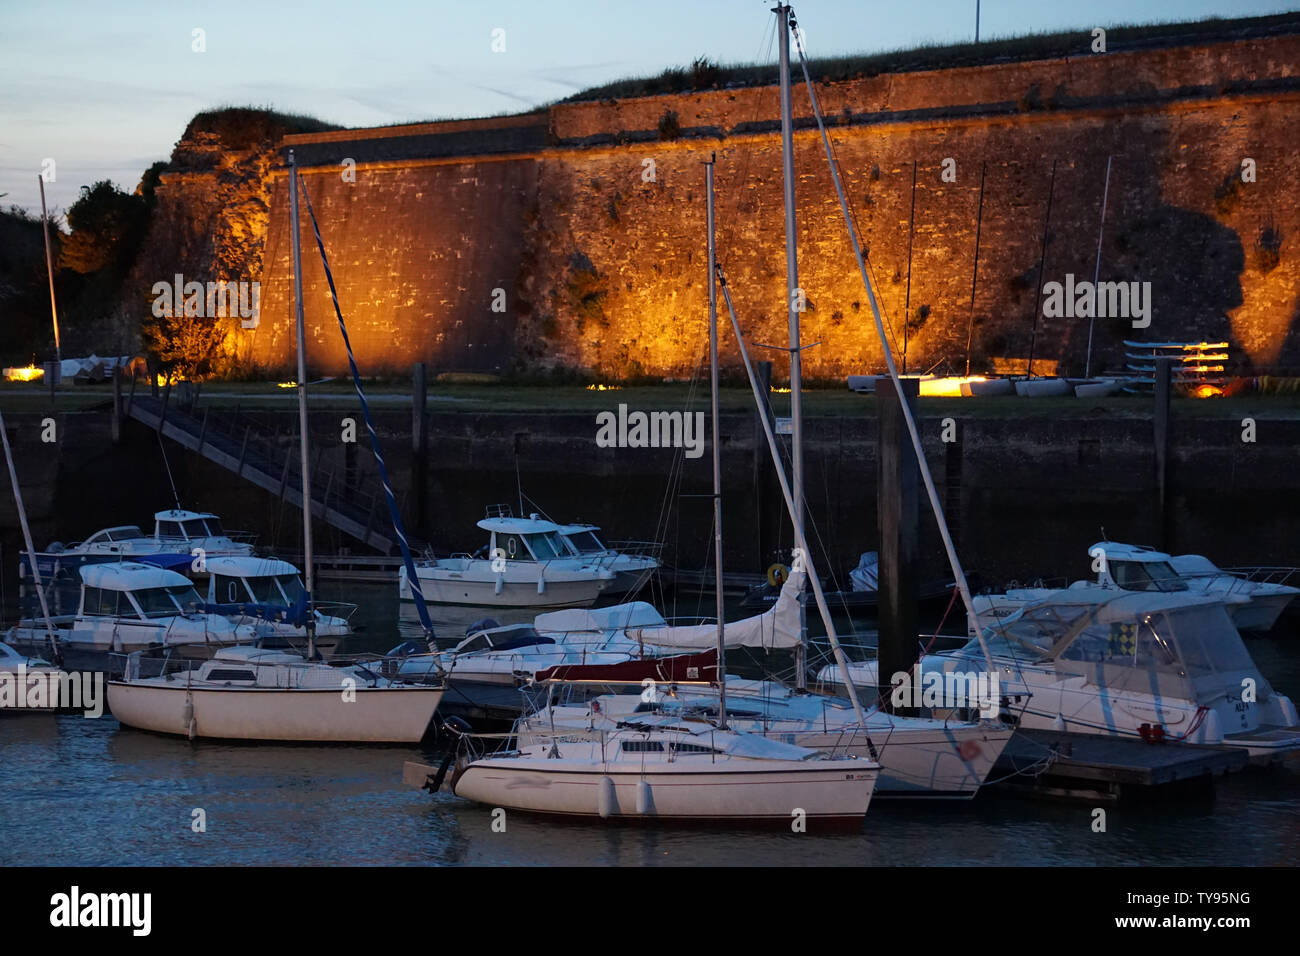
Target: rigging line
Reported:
[(399, 529), (166, 464), (904, 406)]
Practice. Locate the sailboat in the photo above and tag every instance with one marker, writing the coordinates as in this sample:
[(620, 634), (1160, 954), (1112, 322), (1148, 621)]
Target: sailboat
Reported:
[(665, 767), (251, 693)]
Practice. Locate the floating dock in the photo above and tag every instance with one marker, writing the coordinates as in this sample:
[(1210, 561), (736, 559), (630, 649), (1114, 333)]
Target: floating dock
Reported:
[(1067, 766)]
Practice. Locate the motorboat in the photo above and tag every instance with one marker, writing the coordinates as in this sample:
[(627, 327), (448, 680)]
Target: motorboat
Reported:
[(176, 531), (251, 693), (269, 593), (1255, 605), (528, 564), (128, 606), (1153, 665)]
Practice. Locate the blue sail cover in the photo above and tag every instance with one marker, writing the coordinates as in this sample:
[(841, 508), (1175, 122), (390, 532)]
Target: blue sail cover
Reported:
[(399, 528)]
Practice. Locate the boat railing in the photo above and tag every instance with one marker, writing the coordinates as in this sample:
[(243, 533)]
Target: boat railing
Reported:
[(1268, 575), (343, 609), (638, 549)]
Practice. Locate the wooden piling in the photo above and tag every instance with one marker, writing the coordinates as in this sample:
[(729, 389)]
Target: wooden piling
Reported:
[(116, 429), (898, 508), (419, 443), (762, 474), (1160, 429)]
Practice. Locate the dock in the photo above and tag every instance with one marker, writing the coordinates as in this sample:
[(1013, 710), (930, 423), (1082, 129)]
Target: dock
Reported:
[(1068, 766)]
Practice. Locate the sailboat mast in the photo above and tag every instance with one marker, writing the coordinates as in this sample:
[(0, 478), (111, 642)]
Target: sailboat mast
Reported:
[(793, 299), (309, 571), (27, 539), (49, 268), (1096, 271), (717, 455)]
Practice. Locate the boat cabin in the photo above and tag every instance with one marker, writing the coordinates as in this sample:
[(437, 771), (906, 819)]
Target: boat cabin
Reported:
[(240, 580), (187, 525), (582, 539), (1175, 645), (133, 590), (525, 539), (1135, 568)]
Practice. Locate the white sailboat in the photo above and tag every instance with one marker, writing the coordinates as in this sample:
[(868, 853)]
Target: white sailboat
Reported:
[(250, 693)]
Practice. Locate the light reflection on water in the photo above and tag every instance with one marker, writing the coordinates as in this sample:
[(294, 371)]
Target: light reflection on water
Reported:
[(79, 791)]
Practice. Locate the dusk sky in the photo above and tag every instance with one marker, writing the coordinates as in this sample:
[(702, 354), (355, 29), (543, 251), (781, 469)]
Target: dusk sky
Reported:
[(106, 88)]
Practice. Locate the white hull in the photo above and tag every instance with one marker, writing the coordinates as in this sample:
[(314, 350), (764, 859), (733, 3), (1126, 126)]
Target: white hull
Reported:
[(377, 715), (939, 764), (1261, 613), (446, 589), (692, 789)]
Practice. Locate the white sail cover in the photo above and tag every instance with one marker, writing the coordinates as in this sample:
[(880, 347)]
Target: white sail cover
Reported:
[(776, 627)]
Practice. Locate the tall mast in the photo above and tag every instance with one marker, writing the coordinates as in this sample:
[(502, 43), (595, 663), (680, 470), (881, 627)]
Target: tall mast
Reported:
[(308, 566), (49, 268), (717, 455), (1096, 270), (792, 301), (56, 655)]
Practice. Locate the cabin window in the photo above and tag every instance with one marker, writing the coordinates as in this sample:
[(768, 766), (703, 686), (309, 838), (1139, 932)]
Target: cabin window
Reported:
[(291, 584), (102, 603), (1208, 641), (213, 526), (125, 534), (642, 746), (691, 749), (169, 529), (513, 546), (585, 542), (1146, 576), (195, 528), (228, 589), (229, 673), (264, 590)]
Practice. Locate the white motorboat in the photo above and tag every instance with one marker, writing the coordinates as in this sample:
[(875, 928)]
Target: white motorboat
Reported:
[(269, 594), (250, 693), (631, 568), (1254, 605), (528, 565), (128, 606), (660, 768), (176, 531), (1151, 665)]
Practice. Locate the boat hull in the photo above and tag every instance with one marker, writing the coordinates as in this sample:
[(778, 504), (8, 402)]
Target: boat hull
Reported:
[(446, 589), (376, 715), (829, 793)]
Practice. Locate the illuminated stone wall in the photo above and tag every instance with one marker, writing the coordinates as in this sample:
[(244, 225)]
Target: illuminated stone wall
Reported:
[(602, 269)]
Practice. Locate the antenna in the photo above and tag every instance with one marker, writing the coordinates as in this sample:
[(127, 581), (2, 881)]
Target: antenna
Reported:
[(167, 465)]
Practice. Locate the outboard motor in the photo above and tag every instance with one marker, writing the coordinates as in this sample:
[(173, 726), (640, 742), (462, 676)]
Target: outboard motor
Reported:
[(460, 729)]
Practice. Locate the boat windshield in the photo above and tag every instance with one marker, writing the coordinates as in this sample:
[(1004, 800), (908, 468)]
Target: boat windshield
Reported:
[(1208, 640), (195, 528), (127, 533), (276, 588), (585, 542), (545, 546), (1146, 576), (167, 601), (1031, 634)]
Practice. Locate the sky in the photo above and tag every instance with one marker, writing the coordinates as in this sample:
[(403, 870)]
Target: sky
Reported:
[(105, 87)]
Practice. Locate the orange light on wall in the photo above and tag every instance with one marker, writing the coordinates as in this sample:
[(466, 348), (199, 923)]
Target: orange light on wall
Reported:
[(1207, 391), (28, 373)]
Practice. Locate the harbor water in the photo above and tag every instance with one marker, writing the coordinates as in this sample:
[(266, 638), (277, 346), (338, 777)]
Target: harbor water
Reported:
[(89, 792)]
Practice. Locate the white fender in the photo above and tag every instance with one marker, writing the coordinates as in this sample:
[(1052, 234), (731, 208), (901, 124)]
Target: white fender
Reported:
[(606, 802), (645, 800)]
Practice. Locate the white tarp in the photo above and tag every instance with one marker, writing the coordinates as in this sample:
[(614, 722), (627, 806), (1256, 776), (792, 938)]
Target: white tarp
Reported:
[(632, 614), (777, 627)]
